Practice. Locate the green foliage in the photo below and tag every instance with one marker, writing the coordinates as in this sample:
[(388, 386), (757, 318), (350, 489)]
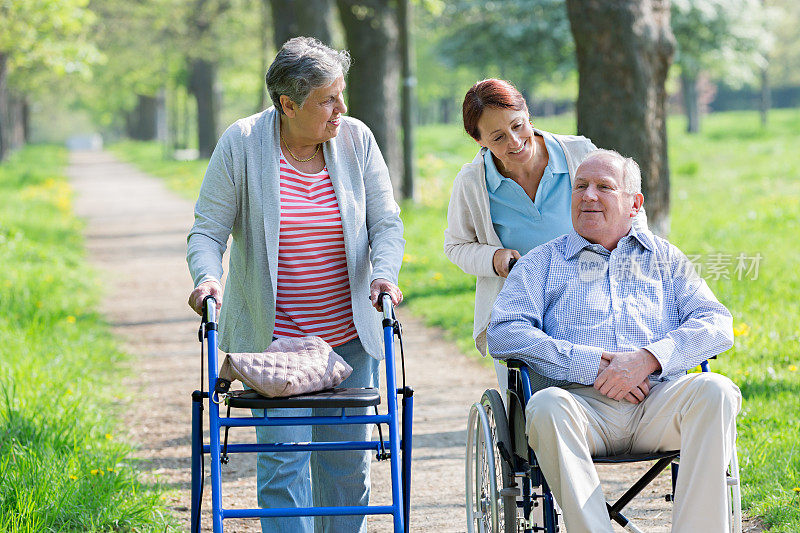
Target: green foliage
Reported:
[(522, 40), (784, 58), (43, 39), (149, 45), (460, 42), (727, 38), (63, 467)]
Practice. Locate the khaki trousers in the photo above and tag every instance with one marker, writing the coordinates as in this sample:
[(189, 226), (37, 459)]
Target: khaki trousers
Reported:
[(695, 413)]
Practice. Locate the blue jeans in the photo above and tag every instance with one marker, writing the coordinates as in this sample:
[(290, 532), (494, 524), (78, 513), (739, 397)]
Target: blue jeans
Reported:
[(317, 479)]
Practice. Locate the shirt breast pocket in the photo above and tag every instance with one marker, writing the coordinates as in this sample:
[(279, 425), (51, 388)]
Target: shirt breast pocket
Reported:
[(644, 304)]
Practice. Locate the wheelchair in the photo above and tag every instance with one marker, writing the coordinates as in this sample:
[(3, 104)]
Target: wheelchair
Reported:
[(397, 450), (506, 491)]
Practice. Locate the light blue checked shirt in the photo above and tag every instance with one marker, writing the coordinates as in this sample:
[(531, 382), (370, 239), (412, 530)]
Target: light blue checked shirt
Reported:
[(569, 300)]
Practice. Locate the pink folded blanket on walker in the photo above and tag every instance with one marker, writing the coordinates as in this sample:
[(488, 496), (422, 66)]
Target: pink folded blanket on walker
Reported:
[(290, 366)]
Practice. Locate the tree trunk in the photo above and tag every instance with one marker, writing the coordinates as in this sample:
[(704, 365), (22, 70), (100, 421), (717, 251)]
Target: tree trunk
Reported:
[(26, 120), (4, 124), (15, 132), (766, 94), (691, 104), (371, 30), (624, 49), (202, 84), (141, 122), (162, 133), (445, 107), (406, 23), (264, 10), (307, 18), (766, 97), (203, 71)]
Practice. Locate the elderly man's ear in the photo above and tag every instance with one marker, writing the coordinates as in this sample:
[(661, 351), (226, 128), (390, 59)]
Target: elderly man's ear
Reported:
[(638, 200)]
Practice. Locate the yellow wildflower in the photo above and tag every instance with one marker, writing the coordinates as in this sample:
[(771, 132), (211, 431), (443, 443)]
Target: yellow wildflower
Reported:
[(109, 436), (742, 330), (407, 258), (95, 471), (73, 477), (71, 319), (109, 469), (438, 276), (792, 368), (796, 489)]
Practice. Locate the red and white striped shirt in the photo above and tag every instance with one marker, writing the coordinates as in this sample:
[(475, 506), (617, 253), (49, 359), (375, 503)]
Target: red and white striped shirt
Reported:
[(313, 286)]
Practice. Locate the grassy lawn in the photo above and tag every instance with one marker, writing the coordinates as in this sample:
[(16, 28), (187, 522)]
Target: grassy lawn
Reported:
[(735, 211), (64, 464)]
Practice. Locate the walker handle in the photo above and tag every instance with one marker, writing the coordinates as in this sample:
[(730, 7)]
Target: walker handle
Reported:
[(386, 304), (209, 309)]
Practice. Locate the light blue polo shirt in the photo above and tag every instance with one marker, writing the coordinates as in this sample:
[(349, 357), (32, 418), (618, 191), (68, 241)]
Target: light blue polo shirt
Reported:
[(521, 224)]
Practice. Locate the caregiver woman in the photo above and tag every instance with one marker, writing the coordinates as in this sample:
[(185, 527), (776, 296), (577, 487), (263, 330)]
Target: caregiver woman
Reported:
[(512, 197), (305, 193)]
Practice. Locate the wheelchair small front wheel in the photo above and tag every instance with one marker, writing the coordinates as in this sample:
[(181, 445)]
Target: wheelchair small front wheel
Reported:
[(487, 473)]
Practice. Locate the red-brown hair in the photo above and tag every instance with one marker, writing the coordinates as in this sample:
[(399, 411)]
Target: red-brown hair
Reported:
[(489, 93)]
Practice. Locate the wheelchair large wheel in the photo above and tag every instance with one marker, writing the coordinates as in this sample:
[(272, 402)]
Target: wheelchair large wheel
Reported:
[(490, 509)]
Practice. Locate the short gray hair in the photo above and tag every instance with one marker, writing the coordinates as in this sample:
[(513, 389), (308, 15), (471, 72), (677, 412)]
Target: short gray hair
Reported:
[(631, 175), (302, 65)]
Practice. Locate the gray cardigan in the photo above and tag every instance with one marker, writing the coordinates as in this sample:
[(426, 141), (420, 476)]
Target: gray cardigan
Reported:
[(240, 196), (470, 240)]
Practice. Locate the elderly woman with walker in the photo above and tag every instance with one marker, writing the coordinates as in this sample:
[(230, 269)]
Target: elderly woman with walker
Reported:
[(316, 236)]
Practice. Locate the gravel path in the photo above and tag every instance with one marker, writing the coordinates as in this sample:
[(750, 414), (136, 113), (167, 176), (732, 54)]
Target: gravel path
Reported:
[(135, 235)]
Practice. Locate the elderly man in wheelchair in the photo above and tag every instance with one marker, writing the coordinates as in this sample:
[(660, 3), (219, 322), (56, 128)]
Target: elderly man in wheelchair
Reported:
[(614, 318)]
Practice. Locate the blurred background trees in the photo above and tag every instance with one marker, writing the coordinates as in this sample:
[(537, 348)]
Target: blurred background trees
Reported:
[(41, 42), (726, 40), (180, 71), (622, 93)]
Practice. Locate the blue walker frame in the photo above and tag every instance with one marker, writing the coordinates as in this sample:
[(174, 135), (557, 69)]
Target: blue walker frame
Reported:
[(400, 470)]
